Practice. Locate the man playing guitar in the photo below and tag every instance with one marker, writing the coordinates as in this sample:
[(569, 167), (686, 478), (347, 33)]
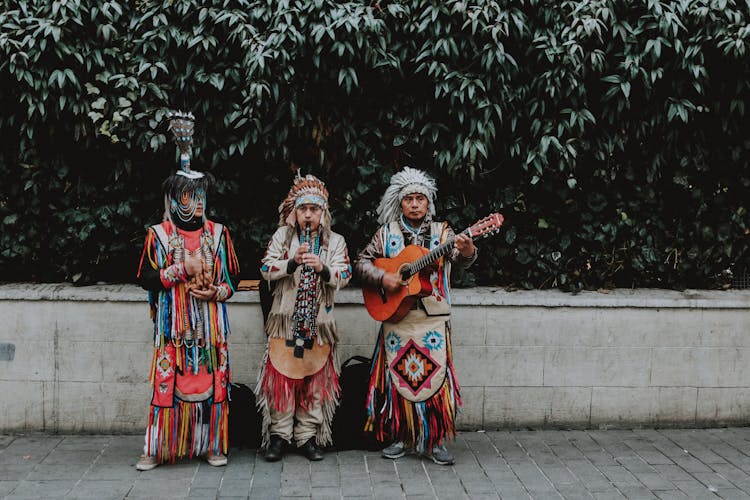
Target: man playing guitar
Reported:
[(414, 395)]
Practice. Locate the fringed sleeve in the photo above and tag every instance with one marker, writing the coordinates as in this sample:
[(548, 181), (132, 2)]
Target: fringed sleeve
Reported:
[(275, 262), (340, 269), (226, 268), (154, 271), (366, 271)]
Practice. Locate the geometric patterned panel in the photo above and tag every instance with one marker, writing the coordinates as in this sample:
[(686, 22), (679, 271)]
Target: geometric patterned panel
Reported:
[(414, 367)]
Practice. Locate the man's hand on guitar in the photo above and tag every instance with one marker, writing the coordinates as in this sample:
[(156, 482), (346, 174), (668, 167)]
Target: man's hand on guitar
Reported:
[(465, 245), (391, 282)]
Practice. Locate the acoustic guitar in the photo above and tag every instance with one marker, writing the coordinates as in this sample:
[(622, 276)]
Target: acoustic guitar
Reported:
[(393, 306)]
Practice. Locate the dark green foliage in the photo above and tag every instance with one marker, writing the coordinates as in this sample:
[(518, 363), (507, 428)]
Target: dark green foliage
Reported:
[(611, 134)]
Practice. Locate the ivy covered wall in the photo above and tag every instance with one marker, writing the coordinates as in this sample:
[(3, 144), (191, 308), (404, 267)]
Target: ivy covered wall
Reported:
[(611, 134)]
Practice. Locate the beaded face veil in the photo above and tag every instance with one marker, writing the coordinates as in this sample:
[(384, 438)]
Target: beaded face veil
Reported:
[(185, 190)]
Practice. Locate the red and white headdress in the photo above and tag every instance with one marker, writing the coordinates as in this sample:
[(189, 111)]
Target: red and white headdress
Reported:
[(305, 190)]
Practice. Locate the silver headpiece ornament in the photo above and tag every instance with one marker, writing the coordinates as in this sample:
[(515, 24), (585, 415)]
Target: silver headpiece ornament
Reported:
[(181, 125), (407, 181)]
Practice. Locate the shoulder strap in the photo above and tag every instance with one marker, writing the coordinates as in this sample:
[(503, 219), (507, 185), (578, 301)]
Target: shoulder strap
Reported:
[(436, 229), (218, 233), (394, 227), (162, 236)]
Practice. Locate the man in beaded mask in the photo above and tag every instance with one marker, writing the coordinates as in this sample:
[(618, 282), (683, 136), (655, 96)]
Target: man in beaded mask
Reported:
[(413, 394), (298, 387), (190, 269)]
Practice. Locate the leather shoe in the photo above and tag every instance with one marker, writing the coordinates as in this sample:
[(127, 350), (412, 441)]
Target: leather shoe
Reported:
[(311, 450), (275, 449)]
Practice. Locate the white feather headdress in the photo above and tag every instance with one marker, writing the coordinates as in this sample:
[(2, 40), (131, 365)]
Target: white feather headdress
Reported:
[(408, 181)]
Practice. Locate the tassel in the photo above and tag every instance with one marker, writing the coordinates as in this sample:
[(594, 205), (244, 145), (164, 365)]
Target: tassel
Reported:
[(420, 425), (180, 431)]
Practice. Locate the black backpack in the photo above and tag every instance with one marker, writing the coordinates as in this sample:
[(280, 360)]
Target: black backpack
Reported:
[(351, 415), (244, 419)]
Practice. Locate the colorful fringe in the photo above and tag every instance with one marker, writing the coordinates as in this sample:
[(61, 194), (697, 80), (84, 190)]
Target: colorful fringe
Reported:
[(419, 425), (187, 430), (275, 390)]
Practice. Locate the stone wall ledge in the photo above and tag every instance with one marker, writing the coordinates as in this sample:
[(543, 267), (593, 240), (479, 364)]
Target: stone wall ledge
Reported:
[(646, 298)]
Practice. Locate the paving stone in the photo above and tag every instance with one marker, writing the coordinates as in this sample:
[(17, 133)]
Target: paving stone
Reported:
[(559, 475), (326, 493), (203, 492), (654, 481), (7, 486), (512, 490), (58, 456), (44, 472), (109, 472), (102, 489), (42, 489), (618, 474), (574, 491), (652, 456), (473, 496), (739, 478), (15, 471), (235, 488), (673, 473), (671, 495), (451, 495), (694, 489), (387, 492), (295, 485), (165, 488), (265, 493), (732, 493), (713, 480), (634, 491), (612, 494), (635, 464), (601, 458), (644, 463), (532, 478), (84, 443), (356, 485), (325, 478)]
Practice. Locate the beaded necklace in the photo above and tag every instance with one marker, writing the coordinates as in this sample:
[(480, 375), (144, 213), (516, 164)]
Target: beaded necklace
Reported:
[(414, 234), (305, 304)]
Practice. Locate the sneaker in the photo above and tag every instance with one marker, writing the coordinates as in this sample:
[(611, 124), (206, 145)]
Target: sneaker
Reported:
[(440, 455), (216, 460), (146, 462), (395, 450)]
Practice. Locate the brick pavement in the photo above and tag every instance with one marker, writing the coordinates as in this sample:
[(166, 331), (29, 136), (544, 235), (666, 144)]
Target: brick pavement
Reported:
[(665, 464)]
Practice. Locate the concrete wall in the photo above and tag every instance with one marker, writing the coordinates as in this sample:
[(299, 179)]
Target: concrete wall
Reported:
[(76, 359)]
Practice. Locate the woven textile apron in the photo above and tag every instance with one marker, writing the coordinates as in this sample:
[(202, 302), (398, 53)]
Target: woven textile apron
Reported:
[(415, 347)]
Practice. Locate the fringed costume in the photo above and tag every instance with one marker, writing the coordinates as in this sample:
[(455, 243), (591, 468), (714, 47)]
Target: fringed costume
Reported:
[(190, 368), (298, 388), (413, 396)]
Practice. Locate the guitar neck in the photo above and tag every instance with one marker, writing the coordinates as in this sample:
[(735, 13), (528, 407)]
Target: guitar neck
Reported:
[(431, 257)]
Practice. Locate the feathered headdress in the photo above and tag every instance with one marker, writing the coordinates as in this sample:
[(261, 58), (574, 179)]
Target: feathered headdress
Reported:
[(408, 181), (307, 189), (182, 125)]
